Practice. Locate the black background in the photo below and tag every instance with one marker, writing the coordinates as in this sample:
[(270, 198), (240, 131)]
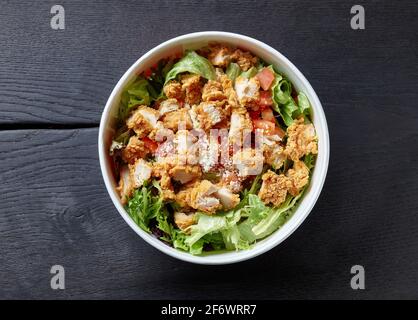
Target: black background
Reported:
[(54, 208)]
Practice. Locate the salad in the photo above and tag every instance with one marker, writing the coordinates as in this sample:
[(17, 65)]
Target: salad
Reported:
[(213, 150)]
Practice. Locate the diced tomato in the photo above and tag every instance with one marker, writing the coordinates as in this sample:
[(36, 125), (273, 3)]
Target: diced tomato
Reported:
[(266, 78), (150, 144), (265, 98), (147, 73), (254, 115), (267, 114)]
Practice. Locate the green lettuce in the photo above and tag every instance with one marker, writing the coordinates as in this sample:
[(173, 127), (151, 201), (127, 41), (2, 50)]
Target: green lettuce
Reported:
[(144, 206), (137, 93), (233, 71), (192, 63)]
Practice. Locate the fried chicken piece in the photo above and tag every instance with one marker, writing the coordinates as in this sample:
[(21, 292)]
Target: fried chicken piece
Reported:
[(298, 177), (160, 170), (125, 187), (168, 105), (274, 188), (301, 140), (228, 199), (185, 173), (210, 113), (173, 90), (140, 172), (143, 120), (244, 59), (135, 149), (219, 55), (248, 161), (176, 120), (247, 90), (228, 90), (183, 220), (200, 196), (213, 91), (273, 152), (240, 123), (192, 87)]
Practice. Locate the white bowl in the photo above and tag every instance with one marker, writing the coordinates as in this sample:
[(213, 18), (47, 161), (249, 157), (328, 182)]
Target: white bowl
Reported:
[(283, 65)]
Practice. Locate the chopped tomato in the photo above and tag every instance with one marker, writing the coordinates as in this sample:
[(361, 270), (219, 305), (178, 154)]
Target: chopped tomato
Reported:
[(254, 115), (265, 98), (150, 144), (266, 78), (267, 114), (147, 73)]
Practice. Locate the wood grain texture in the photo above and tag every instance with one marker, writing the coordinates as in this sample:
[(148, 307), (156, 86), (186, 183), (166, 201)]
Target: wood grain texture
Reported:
[(66, 76), (54, 208)]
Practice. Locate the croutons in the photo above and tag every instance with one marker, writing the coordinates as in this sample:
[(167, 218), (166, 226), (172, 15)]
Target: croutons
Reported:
[(274, 188), (301, 140), (143, 120)]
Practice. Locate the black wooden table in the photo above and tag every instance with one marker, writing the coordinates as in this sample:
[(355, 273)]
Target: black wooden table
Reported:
[(54, 208)]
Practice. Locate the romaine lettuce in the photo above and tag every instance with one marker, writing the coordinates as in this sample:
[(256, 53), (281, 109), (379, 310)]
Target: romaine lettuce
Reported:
[(193, 63)]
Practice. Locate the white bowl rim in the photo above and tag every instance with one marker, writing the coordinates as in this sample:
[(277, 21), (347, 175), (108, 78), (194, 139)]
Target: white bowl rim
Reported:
[(275, 238)]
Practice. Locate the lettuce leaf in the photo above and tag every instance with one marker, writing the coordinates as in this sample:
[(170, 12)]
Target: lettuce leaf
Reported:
[(209, 224), (249, 73), (233, 71), (143, 206), (193, 63), (137, 93)]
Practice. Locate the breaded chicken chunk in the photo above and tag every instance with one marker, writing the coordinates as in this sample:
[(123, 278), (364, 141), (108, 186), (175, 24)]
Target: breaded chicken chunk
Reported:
[(135, 149), (185, 173), (125, 186), (274, 188), (248, 90), (298, 177), (176, 120), (192, 87), (213, 91), (210, 113), (219, 55), (140, 172), (248, 161), (168, 105), (301, 140), (143, 120), (183, 220), (244, 59), (173, 90)]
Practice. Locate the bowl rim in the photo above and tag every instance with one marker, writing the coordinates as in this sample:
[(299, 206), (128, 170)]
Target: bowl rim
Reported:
[(270, 241)]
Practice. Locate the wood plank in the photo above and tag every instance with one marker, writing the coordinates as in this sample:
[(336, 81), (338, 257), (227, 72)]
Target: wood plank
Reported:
[(66, 76), (55, 210)]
